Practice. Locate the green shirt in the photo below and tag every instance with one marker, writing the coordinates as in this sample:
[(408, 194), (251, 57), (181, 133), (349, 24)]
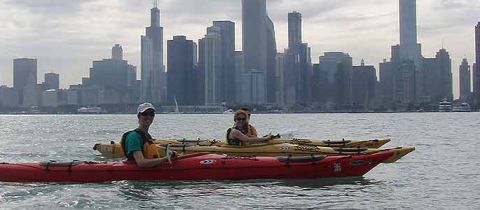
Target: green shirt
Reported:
[(133, 143)]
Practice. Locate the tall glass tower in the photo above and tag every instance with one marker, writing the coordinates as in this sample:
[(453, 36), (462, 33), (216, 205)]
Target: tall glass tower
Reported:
[(153, 85)]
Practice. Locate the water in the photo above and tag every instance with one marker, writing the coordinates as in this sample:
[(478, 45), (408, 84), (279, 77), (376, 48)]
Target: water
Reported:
[(443, 173)]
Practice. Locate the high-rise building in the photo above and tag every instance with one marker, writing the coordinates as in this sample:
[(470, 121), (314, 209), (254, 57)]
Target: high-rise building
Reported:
[(338, 69), (280, 78), (24, 73), (52, 81), (402, 79), (259, 50), (227, 35), (241, 88), (409, 48), (8, 97), (181, 77), (117, 52), (304, 74), (211, 53), (445, 68), (110, 74), (437, 78), (477, 68), (271, 61), (302, 64), (153, 86), (132, 75), (294, 29), (465, 80), (475, 81), (386, 82), (364, 79), (291, 76)]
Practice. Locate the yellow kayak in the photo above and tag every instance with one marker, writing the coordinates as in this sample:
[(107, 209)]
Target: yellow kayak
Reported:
[(115, 150), (372, 143)]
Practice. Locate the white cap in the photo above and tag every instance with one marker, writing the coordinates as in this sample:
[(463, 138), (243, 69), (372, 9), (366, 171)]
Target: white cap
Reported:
[(144, 107)]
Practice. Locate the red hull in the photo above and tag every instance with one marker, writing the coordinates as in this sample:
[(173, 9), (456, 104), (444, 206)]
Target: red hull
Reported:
[(197, 167)]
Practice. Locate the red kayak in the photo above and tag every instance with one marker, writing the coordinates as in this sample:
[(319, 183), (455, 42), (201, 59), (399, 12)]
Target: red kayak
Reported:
[(196, 167)]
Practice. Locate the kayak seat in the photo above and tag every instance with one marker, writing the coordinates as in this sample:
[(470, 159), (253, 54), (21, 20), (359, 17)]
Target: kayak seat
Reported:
[(301, 159)]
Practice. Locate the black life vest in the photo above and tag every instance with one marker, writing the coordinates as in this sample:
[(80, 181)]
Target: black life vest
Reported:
[(146, 138), (233, 142)]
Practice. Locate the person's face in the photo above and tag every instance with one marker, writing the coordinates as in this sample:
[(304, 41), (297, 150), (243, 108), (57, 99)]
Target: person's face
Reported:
[(146, 118), (241, 120)]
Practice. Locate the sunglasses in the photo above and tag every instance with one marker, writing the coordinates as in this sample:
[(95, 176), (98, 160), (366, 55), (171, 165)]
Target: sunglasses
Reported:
[(240, 119), (151, 114)]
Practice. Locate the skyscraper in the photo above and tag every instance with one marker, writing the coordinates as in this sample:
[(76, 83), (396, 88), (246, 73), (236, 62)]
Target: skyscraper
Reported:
[(409, 48), (110, 74), (259, 50), (465, 84), (338, 69), (181, 78), (227, 33), (477, 64), (445, 67), (386, 82), (294, 29), (364, 79), (23, 68), (153, 87), (24, 74), (302, 65), (211, 53), (52, 81), (271, 61), (117, 52)]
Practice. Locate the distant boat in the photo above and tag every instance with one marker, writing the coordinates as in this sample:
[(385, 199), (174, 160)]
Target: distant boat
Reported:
[(445, 106), (229, 111), (90, 110), (462, 107)]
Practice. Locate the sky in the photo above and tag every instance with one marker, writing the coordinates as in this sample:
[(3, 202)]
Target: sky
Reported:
[(66, 36)]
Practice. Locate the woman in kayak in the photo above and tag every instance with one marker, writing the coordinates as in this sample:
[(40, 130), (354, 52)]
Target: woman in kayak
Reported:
[(138, 144), (251, 131), (237, 135)]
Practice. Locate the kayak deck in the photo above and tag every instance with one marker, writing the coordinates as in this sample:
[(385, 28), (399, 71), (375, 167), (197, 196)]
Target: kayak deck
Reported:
[(196, 167)]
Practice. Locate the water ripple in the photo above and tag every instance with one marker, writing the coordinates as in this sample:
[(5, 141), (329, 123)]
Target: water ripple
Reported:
[(442, 173)]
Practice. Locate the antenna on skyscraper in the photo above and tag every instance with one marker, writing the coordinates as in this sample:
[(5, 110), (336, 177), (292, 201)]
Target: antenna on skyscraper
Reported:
[(155, 3), (442, 42)]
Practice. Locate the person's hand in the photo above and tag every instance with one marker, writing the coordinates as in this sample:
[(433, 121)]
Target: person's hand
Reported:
[(173, 154)]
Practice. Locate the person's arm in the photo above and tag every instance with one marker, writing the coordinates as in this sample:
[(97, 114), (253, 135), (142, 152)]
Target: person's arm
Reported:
[(245, 139), (147, 163)]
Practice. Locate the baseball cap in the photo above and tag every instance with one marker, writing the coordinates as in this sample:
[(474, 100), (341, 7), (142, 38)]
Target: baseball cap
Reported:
[(144, 107)]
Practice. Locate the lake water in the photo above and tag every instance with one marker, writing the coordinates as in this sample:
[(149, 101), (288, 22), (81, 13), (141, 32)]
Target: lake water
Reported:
[(443, 172)]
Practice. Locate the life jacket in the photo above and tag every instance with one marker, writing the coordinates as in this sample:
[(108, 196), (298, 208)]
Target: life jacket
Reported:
[(149, 148), (252, 132), (233, 142)]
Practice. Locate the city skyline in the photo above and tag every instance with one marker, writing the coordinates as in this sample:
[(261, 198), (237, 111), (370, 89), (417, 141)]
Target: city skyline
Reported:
[(71, 58)]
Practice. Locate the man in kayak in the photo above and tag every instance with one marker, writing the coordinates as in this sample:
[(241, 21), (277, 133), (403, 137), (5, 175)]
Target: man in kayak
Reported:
[(251, 131), (138, 144), (237, 135)]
